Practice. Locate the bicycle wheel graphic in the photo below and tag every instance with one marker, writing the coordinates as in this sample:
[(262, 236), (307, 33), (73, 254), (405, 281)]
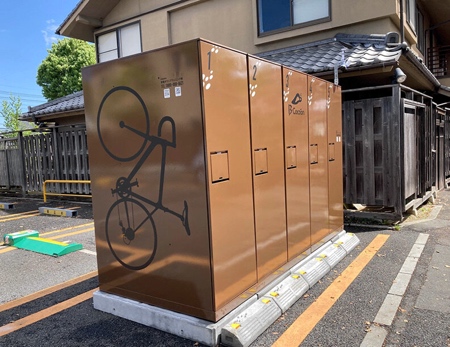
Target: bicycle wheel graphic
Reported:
[(131, 233), (123, 123)]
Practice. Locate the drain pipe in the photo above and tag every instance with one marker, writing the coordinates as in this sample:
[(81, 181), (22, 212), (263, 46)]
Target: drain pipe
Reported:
[(402, 22)]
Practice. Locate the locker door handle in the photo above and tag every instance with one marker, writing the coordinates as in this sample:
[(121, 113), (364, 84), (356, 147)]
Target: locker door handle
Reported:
[(260, 161), (331, 152), (314, 153), (291, 157), (219, 166)]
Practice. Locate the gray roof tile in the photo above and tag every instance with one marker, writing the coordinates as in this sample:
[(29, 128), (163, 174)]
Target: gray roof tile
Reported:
[(322, 56), (69, 102)]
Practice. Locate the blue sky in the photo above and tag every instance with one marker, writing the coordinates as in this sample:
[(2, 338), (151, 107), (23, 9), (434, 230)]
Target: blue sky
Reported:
[(27, 31)]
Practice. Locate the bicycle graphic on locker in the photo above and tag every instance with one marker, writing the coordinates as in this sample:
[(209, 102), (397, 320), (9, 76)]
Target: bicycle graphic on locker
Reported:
[(128, 217)]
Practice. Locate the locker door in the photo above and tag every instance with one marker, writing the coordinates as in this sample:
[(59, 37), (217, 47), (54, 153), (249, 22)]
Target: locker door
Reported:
[(318, 161), (296, 161), (335, 176), (229, 166), (266, 115)]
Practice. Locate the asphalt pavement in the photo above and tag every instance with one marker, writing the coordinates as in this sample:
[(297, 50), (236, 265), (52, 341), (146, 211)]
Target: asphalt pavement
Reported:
[(48, 301)]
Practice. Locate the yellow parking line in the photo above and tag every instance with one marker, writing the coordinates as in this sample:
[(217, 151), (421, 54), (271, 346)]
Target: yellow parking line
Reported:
[(65, 229), (17, 214), (306, 322), (36, 317), (8, 249), (44, 292), (19, 217), (70, 234)]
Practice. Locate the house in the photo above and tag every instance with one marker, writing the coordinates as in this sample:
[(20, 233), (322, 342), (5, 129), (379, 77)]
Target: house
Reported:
[(67, 110), (121, 28), (395, 132)]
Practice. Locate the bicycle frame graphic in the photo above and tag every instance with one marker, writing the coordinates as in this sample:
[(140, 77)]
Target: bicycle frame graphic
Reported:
[(128, 217)]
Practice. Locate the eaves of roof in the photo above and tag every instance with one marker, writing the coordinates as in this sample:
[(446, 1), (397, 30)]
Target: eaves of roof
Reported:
[(69, 103), (413, 58), (348, 53), (68, 17)]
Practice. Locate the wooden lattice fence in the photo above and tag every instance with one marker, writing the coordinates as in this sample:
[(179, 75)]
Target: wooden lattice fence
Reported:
[(60, 153)]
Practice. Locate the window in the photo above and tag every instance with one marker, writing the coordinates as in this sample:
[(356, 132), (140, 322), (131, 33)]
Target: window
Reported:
[(420, 32), (119, 43), (411, 13), (276, 15)]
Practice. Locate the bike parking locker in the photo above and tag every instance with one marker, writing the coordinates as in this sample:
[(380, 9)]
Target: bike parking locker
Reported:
[(211, 174)]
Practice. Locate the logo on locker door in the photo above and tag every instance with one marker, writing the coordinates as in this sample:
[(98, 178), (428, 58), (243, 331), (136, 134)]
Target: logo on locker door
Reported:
[(295, 101)]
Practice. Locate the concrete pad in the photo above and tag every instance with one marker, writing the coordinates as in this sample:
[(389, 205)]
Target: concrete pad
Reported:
[(375, 337), (416, 251), (422, 239), (388, 309), (409, 265), (400, 284)]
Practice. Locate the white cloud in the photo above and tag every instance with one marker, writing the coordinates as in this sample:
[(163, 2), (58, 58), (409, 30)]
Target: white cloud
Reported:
[(49, 33)]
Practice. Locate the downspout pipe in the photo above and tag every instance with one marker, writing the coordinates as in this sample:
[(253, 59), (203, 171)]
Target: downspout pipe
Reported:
[(402, 22)]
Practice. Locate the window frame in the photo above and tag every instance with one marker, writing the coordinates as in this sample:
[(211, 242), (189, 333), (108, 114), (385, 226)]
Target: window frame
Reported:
[(291, 14), (411, 18), (420, 31), (117, 31)]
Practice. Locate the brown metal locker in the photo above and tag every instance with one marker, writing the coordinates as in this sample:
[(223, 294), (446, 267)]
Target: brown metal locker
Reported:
[(266, 115), (169, 148), (295, 97), (209, 173), (335, 175), (318, 152)]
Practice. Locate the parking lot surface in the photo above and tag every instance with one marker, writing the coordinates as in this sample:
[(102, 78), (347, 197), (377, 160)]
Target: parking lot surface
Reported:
[(48, 301)]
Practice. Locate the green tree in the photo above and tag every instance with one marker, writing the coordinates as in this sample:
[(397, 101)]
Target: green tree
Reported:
[(60, 72), (11, 111)]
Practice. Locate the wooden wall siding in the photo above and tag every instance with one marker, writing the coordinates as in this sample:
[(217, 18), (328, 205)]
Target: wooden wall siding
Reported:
[(430, 145), (369, 142), (447, 144), (73, 160), (391, 145), (410, 152), (38, 160), (440, 146), (11, 165)]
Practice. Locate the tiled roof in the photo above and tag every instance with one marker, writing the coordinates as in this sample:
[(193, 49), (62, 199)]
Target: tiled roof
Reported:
[(344, 50), (70, 102)]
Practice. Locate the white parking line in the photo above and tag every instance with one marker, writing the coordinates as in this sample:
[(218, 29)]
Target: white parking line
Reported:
[(88, 252), (377, 334)]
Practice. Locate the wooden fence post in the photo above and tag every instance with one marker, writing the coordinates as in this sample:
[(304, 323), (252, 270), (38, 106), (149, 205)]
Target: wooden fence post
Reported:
[(24, 183)]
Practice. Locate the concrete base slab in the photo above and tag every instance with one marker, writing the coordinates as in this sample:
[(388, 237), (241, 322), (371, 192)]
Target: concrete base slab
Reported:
[(175, 323), (202, 331)]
